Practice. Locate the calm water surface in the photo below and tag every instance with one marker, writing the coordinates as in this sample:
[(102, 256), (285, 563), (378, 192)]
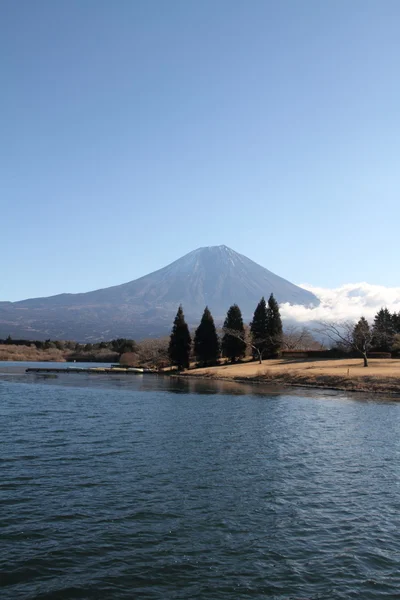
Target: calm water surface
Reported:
[(149, 488)]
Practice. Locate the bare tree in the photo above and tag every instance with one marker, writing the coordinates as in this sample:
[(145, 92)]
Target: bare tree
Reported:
[(348, 336), (396, 342), (296, 338), (151, 352), (255, 344)]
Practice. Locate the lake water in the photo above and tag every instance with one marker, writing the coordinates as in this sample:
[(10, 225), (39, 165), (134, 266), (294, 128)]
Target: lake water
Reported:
[(143, 487)]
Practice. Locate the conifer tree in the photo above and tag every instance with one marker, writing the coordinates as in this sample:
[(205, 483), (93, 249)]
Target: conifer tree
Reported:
[(383, 331), (274, 328), (206, 342), (259, 330), (180, 342), (233, 341), (396, 322)]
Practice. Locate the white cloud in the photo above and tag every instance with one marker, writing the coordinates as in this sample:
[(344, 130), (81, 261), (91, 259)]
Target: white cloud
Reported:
[(348, 302)]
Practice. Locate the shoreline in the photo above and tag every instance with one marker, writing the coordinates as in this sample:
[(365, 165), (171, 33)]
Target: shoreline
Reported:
[(381, 378), (363, 385)]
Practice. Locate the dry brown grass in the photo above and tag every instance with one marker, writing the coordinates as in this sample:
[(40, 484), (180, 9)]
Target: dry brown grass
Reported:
[(383, 375), (30, 353), (16, 352)]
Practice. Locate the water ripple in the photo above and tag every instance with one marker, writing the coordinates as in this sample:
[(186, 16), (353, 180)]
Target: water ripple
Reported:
[(156, 491)]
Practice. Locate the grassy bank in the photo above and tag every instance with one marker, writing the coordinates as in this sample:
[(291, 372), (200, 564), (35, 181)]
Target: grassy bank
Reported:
[(382, 376), (30, 353), (17, 352)]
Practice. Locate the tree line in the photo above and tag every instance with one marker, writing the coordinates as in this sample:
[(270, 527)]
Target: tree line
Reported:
[(264, 337), (119, 345), (105, 351), (382, 336)]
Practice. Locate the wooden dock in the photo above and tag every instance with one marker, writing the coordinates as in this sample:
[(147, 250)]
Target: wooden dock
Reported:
[(90, 370)]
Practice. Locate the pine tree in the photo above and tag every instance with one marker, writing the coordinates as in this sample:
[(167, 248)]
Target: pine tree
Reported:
[(180, 342), (274, 328), (383, 331), (396, 322), (233, 342), (206, 342), (362, 338), (259, 330)]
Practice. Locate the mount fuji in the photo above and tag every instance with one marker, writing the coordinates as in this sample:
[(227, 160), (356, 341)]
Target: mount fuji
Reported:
[(215, 276)]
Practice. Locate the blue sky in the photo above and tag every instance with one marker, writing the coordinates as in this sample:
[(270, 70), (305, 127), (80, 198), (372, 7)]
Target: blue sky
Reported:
[(133, 132)]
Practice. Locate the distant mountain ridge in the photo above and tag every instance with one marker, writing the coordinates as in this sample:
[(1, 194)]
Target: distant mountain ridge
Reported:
[(216, 276)]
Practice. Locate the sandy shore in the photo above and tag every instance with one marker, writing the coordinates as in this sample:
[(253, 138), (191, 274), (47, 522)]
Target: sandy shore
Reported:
[(382, 375)]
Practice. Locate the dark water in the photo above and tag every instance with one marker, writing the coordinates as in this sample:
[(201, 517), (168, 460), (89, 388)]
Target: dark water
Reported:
[(139, 487)]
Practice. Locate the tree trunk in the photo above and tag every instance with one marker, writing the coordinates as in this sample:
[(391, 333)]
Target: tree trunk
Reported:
[(365, 360)]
